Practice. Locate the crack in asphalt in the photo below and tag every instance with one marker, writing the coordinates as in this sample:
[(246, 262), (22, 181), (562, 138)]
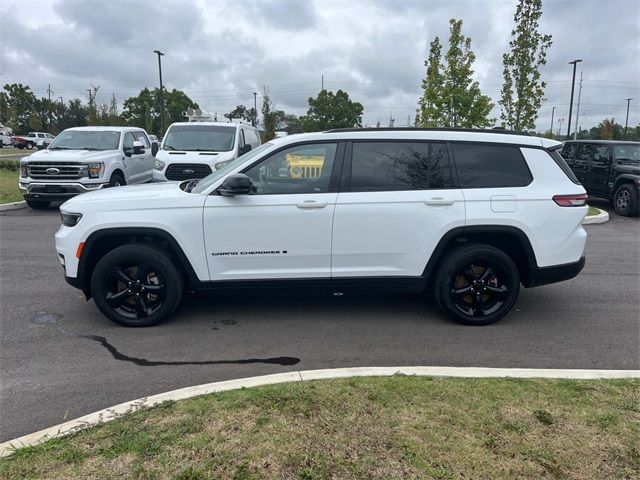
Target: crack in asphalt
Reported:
[(43, 318)]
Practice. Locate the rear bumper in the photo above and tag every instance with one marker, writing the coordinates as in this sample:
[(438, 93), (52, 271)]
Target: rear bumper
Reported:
[(554, 274)]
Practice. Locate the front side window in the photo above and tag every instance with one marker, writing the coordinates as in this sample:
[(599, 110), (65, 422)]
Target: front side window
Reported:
[(397, 166), (602, 155), (298, 169), (86, 140), (627, 153), (490, 166), (142, 138), (200, 138), (128, 140)]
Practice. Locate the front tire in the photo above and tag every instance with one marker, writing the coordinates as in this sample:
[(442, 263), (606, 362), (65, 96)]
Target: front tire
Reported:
[(116, 180), (136, 285), (477, 284), (29, 145), (38, 204), (625, 200)]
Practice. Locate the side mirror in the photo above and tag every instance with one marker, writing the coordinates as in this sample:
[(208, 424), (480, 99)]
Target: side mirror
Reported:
[(244, 149), (236, 184), (154, 148), (138, 147)]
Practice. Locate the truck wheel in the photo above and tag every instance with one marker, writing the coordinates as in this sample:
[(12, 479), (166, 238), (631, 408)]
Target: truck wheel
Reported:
[(136, 285), (625, 200), (29, 145), (38, 204), (20, 147), (116, 180), (477, 284)]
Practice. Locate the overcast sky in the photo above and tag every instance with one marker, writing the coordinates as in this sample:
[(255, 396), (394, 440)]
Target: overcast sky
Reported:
[(219, 52)]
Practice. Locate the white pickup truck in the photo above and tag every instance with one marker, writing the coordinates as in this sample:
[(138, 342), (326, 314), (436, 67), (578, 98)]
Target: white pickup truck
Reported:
[(86, 159), (39, 140)]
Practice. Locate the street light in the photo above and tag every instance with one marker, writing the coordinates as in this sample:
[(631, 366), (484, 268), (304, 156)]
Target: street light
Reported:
[(573, 84), (626, 123), (553, 110), (255, 110), (160, 54)]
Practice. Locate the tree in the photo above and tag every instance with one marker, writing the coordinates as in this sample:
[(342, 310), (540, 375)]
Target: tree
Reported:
[(268, 116), (451, 98), (523, 90), (288, 122), (20, 102), (429, 113), (329, 110), (137, 109), (243, 113)]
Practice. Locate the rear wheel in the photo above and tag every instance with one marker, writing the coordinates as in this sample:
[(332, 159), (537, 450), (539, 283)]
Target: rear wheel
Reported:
[(625, 200), (117, 180), (136, 285), (477, 284), (38, 204), (30, 145)]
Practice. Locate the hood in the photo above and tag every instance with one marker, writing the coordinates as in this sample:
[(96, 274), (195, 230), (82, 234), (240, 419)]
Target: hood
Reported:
[(71, 155), (208, 158), (149, 196)]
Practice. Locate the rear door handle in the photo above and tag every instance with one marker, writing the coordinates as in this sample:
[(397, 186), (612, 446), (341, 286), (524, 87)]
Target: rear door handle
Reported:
[(439, 201), (311, 204)]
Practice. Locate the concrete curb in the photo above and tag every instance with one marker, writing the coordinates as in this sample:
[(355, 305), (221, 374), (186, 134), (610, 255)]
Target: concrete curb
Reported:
[(601, 217), (112, 413), (4, 207)]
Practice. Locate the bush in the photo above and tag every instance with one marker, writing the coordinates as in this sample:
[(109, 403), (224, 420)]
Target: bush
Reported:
[(10, 165)]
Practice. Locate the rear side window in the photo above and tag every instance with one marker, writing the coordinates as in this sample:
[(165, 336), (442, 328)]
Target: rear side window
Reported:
[(490, 166), (568, 151), (389, 166), (563, 166)]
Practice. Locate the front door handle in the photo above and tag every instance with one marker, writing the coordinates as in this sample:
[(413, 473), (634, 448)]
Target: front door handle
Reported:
[(311, 204), (439, 201)]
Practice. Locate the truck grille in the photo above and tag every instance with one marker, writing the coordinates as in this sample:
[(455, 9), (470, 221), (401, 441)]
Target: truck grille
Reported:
[(56, 170), (187, 171)]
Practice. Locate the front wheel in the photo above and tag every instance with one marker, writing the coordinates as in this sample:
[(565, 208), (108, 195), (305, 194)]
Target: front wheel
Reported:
[(38, 204), (136, 285), (625, 200), (116, 180), (30, 145), (477, 284)]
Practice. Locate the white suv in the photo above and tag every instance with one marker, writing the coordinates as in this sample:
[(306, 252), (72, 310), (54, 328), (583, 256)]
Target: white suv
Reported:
[(86, 159), (470, 214), (195, 149)]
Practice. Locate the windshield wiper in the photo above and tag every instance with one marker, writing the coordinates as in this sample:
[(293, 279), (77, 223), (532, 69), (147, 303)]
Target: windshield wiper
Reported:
[(93, 149), (168, 147), (60, 148)]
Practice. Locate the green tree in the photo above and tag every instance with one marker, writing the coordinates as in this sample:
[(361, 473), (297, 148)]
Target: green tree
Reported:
[(136, 109), (429, 112), (288, 122), (243, 113), (20, 104), (268, 116), (523, 89), (329, 110)]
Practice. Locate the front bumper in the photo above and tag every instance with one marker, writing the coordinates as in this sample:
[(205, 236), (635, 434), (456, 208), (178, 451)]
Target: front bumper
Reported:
[(56, 191), (557, 273)]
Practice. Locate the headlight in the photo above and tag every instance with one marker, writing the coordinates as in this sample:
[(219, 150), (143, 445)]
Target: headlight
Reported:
[(159, 165), (95, 170), (23, 170), (219, 165), (70, 219)]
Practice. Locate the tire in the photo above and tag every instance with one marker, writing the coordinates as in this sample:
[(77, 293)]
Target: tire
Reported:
[(128, 300), (29, 145), (38, 204), (625, 200), (492, 295), (116, 180), (20, 147)]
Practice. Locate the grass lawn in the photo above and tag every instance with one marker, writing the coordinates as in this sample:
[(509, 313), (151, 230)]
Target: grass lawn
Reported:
[(392, 427), (9, 191), (6, 151), (593, 211)]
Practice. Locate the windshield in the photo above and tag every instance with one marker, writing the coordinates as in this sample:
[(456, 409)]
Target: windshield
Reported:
[(627, 152), (209, 180), (86, 140), (200, 138)]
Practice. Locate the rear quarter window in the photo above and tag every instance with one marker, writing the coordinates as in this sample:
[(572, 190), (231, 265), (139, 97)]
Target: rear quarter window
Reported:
[(557, 157), (490, 166)]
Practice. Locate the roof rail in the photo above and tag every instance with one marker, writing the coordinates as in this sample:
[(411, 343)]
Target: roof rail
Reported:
[(499, 130)]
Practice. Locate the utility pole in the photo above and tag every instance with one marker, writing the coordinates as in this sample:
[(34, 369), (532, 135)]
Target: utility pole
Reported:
[(61, 101), (575, 133), (322, 82), (560, 120), (49, 92), (553, 110), (160, 54), (573, 85), (255, 109), (626, 123)]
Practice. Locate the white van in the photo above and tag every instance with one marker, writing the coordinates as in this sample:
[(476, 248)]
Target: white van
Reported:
[(195, 149)]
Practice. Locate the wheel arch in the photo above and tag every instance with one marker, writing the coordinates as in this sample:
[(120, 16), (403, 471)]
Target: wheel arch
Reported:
[(624, 179), (103, 241), (511, 240)]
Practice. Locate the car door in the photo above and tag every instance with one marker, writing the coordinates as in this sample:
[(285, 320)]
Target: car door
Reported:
[(582, 162), (396, 201), (146, 158), (283, 229), (600, 171), (132, 162)]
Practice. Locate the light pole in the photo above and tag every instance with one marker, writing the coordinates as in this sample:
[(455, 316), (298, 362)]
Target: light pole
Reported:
[(560, 120), (255, 110), (553, 110), (160, 54), (626, 123), (573, 84)]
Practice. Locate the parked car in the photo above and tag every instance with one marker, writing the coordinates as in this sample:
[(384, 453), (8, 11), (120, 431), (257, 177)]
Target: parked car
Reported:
[(86, 159), (195, 149), (38, 140), (153, 138), (469, 214), (5, 139), (608, 169)]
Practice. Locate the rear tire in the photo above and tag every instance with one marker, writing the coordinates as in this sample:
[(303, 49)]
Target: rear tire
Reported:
[(477, 284), (29, 145), (625, 200), (136, 285), (116, 180), (38, 204)]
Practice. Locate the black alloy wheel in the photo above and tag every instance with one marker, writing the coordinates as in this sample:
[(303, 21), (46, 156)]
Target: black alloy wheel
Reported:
[(477, 284)]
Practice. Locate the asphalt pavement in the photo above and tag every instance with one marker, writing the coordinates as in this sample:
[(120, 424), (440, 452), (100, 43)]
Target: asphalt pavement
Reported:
[(60, 358)]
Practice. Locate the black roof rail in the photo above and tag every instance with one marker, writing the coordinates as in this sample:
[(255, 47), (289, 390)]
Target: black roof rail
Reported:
[(499, 130)]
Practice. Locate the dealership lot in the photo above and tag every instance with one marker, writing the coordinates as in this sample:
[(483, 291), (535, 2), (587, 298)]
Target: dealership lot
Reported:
[(61, 358)]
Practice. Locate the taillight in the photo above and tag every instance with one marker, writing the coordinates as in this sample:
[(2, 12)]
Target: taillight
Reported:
[(571, 200)]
